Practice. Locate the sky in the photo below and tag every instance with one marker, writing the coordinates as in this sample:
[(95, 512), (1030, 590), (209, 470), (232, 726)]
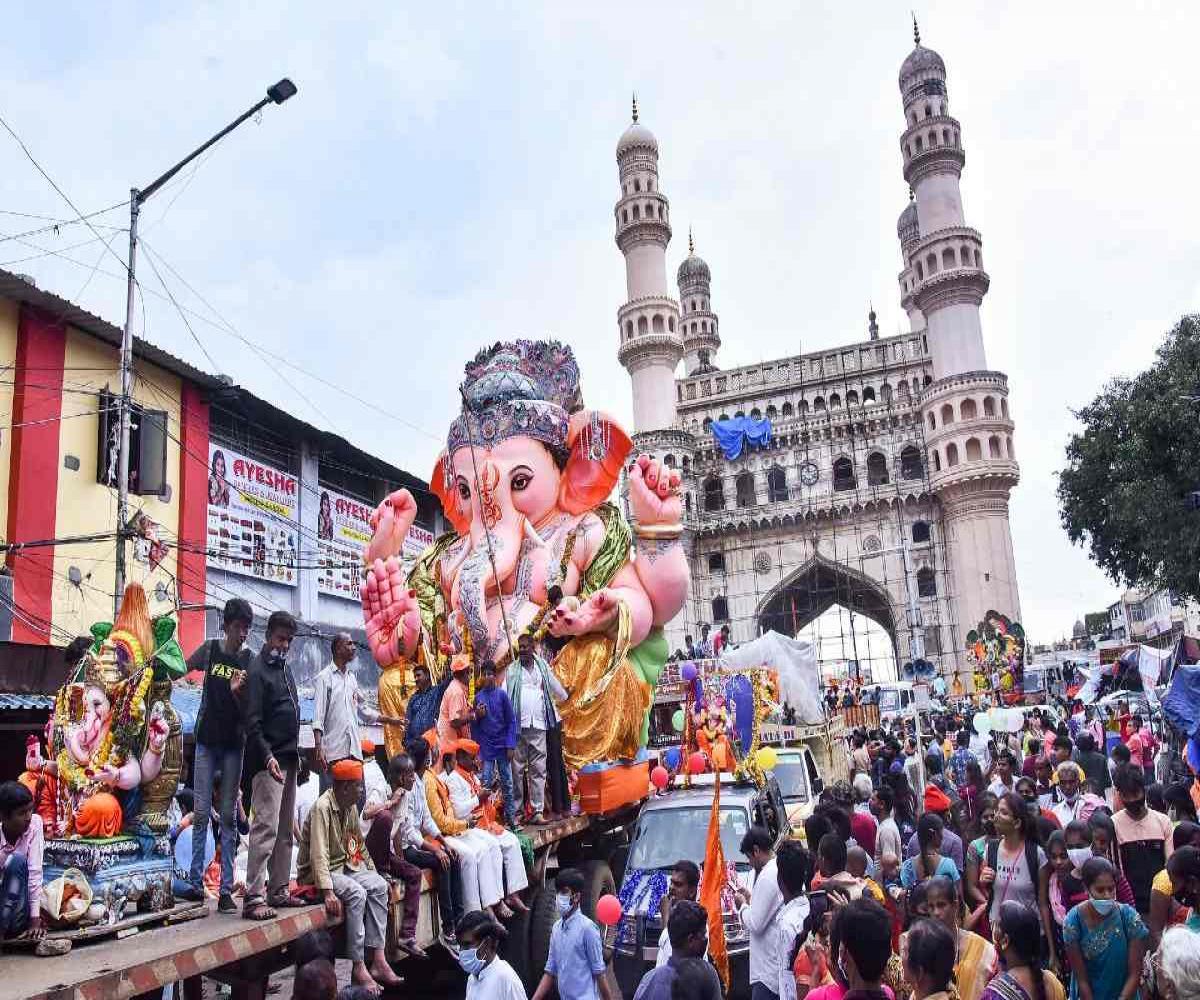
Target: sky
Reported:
[(446, 175)]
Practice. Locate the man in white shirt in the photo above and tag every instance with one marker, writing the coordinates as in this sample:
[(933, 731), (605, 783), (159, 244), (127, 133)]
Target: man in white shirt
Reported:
[(1003, 783), (465, 799), (684, 884), (307, 792), (758, 910), (979, 746), (887, 836), (376, 790), (337, 700), (791, 867), (533, 690)]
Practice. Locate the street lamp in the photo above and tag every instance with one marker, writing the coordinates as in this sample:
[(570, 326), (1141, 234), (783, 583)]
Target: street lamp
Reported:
[(276, 94)]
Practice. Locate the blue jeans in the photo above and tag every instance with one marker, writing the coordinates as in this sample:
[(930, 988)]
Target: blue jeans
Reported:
[(210, 760), (502, 768), (14, 896)]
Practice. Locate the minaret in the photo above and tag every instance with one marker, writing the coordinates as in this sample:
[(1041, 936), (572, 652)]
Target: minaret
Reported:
[(968, 431), (651, 345), (700, 337), (946, 256)]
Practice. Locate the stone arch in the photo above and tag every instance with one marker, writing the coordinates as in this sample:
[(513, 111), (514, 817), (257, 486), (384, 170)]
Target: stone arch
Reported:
[(994, 447), (968, 409), (843, 474), (951, 455), (920, 531), (787, 410), (877, 469), (714, 494), (989, 406), (926, 582), (947, 414), (744, 487), (910, 463), (974, 451)]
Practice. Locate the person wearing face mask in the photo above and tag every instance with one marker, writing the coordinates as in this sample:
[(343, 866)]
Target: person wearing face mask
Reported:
[(1104, 837), (1018, 940), (688, 928), (1105, 940), (1170, 904), (1143, 835), (1060, 888), (1007, 866), (1071, 802), (489, 977), (575, 964)]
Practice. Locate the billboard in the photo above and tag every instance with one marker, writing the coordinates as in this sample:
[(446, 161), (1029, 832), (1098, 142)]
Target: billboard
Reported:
[(253, 517), (343, 530)]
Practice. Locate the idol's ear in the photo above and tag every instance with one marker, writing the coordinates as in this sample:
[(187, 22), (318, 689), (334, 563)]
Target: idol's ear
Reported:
[(442, 484), (598, 449)]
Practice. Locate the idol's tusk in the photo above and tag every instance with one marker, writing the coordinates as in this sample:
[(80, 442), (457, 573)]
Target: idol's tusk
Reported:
[(533, 536)]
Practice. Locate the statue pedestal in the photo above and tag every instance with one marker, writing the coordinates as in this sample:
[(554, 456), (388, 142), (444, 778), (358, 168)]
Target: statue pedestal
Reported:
[(126, 873), (606, 786)]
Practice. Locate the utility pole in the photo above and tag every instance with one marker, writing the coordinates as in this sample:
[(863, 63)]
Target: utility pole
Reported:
[(276, 94)]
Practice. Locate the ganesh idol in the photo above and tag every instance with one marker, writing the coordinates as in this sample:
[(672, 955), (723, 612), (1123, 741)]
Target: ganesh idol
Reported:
[(525, 481), (114, 739)]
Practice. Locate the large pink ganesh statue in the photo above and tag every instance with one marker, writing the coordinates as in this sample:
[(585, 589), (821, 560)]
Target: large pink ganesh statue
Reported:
[(525, 482)]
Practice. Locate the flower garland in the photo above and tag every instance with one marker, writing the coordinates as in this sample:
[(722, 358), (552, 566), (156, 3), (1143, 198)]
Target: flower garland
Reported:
[(130, 716), (640, 884)]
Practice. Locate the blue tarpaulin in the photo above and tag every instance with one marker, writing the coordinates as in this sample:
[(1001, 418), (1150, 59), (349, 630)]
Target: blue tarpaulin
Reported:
[(1182, 703), (731, 435)]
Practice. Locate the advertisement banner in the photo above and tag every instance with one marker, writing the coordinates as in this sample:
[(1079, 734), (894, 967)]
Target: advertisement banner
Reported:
[(343, 530), (253, 510)]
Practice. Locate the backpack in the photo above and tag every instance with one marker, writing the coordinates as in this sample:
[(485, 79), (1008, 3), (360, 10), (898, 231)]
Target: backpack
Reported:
[(1031, 862)]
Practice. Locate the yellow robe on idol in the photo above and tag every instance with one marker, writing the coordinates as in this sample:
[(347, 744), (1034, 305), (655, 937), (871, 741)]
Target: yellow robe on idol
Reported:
[(395, 687)]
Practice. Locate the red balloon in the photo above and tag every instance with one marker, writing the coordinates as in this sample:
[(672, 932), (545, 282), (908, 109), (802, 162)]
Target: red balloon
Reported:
[(697, 763), (608, 910), (660, 777)]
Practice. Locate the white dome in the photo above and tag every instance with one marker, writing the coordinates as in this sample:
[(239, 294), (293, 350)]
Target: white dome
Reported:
[(636, 135)]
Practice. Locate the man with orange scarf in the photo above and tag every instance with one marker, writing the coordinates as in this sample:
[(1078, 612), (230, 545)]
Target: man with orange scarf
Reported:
[(468, 798)]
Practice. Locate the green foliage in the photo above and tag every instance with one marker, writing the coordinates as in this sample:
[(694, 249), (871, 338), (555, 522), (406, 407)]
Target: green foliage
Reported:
[(1124, 492)]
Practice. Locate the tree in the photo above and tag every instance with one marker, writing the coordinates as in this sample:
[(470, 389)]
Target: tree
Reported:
[(1125, 493)]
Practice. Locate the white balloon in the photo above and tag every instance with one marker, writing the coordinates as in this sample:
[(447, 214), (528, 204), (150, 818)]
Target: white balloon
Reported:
[(982, 724)]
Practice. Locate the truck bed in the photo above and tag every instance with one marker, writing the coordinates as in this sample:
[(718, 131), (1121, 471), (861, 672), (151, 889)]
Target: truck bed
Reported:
[(152, 958)]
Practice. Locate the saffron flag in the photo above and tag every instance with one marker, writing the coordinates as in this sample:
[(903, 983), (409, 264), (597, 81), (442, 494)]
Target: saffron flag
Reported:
[(711, 884)]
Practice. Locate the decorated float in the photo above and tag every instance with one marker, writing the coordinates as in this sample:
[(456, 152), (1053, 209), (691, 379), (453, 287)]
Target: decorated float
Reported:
[(108, 769), (996, 650)]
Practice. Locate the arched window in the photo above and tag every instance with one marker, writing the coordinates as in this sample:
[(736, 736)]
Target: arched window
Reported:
[(819, 404), (835, 401), (928, 380), (903, 390), (947, 414), (968, 409), (745, 489), (951, 455), (787, 410), (714, 495), (910, 463), (629, 328), (643, 326), (877, 470), (851, 398), (1004, 407), (979, 259), (948, 259), (920, 531), (989, 406), (994, 447), (937, 461), (772, 413), (931, 263), (1011, 452), (843, 475), (720, 609), (926, 584), (803, 407), (662, 212), (687, 463), (756, 414), (669, 461), (707, 425), (885, 394), (920, 272), (637, 212), (776, 484), (932, 421), (637, 185), (671, 323), (974, 450), (657, 323), (716, 562), (723, 416), (625, 215), (868, 395)]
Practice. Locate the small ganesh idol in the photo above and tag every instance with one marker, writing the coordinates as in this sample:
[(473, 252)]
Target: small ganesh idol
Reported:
[(114, 739), (525, 480)]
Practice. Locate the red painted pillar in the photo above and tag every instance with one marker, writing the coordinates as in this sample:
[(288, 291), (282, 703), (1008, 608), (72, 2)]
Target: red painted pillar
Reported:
[(191, 570), (33, 469)]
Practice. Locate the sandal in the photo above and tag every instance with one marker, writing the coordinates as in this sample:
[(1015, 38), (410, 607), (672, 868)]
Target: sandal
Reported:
[(259, 911), (286, 901)]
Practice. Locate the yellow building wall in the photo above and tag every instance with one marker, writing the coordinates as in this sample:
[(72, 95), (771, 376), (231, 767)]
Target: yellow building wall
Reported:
[(9, 310), (86, 507)]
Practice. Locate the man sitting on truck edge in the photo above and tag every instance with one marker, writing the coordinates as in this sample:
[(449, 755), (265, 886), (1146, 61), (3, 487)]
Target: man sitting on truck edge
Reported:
[(21, 843), (575, 964), (688, 928), (334, 859)]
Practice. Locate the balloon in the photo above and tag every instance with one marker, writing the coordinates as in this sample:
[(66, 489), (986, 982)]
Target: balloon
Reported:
[(982, 724), (183, 849), (608, 910), (767, 758), (697, 763), (660, 777), (688, 672), (677, 720), (673, 758)]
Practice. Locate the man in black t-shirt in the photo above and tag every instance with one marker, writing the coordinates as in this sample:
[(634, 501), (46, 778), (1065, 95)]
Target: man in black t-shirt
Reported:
[(220, 741)]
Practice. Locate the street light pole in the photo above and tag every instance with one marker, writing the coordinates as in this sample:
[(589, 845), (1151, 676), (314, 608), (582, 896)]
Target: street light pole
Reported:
[(276, 94)]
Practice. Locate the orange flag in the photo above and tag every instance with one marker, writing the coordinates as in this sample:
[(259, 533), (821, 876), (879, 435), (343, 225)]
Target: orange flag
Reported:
[(711, 884)]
